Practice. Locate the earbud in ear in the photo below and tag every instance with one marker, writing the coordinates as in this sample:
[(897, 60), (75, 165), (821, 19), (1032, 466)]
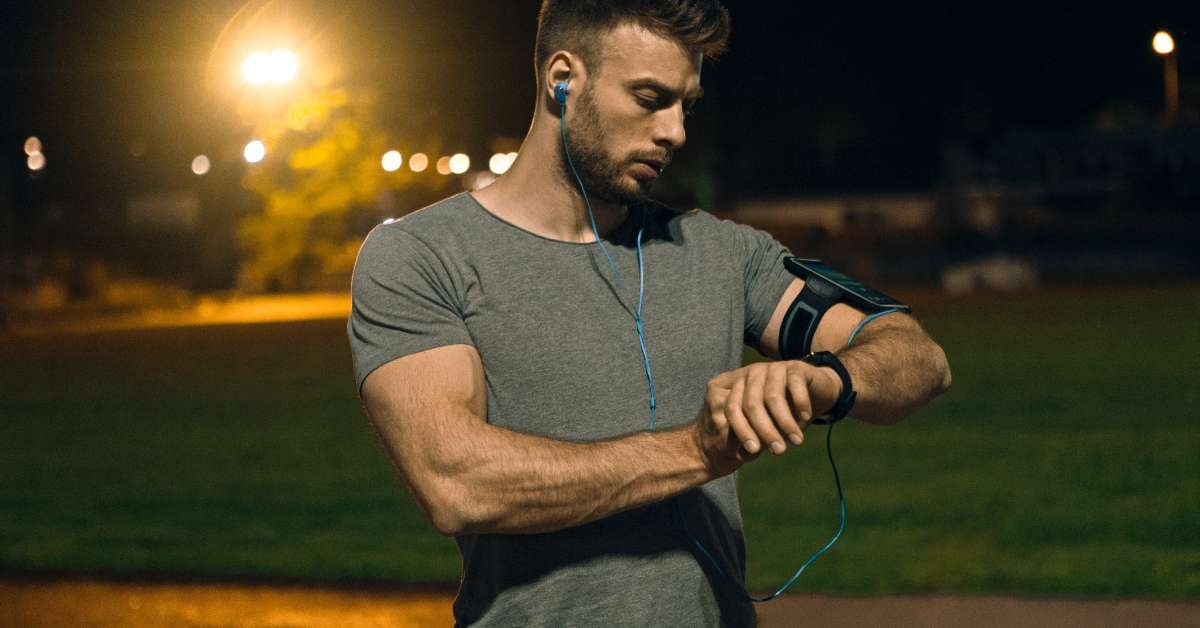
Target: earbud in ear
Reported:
[(560, 92)]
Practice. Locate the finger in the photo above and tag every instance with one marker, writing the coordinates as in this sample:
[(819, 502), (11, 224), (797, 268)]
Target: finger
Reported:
[(726, 379), (715, 405), (737, 420), (756, 411), (801, 404), (775, 395)]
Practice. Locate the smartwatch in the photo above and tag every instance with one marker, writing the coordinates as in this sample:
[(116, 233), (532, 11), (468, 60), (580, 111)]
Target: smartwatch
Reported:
[(846, 400)]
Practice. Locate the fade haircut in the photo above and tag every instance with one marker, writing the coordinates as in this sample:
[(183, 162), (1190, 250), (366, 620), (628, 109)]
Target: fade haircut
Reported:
[(701, 26)]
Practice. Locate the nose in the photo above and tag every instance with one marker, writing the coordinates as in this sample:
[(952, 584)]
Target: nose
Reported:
[(668, 128)]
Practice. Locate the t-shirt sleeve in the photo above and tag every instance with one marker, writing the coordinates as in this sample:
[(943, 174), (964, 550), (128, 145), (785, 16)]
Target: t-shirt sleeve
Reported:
[(403, 301), (766, 278)]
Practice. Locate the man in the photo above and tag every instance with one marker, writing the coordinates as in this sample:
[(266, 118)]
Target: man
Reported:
[(499, 352)]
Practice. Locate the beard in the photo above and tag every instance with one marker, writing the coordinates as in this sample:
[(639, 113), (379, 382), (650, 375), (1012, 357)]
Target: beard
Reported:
[(603, 176)]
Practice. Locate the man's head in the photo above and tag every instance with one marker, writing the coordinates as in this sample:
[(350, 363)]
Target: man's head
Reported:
[(634, 71)]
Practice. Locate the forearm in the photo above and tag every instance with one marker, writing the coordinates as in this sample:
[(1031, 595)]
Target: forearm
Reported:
[(896, 368), (507, 482)]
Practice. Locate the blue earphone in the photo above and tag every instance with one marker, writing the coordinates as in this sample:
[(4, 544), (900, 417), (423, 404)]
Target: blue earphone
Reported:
[(560, 93), (561, 90)]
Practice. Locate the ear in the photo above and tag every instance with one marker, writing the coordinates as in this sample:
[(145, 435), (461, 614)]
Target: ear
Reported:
[(563, 67)]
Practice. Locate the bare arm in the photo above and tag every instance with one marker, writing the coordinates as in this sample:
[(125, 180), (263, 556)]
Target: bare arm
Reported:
[(895, 367), (470, 477)]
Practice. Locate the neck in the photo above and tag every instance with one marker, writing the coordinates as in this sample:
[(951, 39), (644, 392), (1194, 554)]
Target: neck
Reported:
[(535, 195)]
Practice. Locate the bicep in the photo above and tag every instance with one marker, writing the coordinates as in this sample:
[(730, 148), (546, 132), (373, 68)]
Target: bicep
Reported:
[(835, 328), (424, 406)]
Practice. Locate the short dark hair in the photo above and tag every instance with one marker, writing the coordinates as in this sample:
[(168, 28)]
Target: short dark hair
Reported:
[(702, 26)]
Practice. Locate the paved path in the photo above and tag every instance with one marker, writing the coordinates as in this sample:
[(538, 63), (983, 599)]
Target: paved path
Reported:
[(203, 311), (100, 603)]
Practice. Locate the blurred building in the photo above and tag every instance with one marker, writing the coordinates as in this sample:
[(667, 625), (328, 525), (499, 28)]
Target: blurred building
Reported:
[(1065, 207), (1082, 204)]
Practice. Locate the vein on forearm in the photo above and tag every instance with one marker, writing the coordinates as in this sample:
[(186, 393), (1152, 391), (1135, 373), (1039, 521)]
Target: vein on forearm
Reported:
[(526, 484)]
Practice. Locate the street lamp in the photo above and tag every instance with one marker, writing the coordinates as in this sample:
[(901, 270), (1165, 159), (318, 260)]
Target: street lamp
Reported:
[(276, 67), (1164, 45)]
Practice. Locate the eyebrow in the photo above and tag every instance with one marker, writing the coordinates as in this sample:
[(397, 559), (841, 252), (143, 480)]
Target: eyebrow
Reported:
[(659, 87)]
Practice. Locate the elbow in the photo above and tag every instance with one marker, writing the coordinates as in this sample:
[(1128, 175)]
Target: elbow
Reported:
[(943, 369), (448, 508), (938, 382), (447, 522)]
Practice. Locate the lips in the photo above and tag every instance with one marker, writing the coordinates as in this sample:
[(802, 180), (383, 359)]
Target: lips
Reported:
[(643, 169), (654, 165)]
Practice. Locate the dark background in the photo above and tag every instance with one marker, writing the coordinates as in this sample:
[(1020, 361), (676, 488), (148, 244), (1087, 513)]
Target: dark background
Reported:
[(812, 99), (898, 81)]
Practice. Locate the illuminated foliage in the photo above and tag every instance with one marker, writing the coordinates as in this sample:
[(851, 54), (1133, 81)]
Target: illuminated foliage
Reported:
[(320, 182)]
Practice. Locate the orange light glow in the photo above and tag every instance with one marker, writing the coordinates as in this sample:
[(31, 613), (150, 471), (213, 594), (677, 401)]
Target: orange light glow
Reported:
[(1163, 43)]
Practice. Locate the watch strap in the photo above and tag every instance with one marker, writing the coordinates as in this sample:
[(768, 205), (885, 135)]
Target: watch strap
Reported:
[(846, 400)]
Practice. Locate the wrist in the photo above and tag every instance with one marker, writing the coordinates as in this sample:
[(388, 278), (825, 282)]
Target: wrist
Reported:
[(835, 385), (846, 396)]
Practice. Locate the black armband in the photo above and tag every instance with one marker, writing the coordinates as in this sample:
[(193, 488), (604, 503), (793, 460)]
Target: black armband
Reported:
[(823, 286)]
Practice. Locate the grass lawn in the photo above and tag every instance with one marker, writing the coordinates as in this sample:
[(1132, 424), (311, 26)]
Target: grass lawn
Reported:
[(1064, 461)]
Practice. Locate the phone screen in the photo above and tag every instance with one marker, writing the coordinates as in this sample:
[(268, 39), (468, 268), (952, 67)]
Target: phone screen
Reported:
[(855, 289)]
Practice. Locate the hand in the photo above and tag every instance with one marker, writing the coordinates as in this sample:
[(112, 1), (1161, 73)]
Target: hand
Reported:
[(760, 403)]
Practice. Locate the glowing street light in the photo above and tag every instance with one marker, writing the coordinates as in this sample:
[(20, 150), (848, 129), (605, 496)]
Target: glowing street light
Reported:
[(254, 152), (1164, 45), (36, 161), (276, 67), (460, 163), (392, 160), (443, 165), (33, 145), (418, 162)]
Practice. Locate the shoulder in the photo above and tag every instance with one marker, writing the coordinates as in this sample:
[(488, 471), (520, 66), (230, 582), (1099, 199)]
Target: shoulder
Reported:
[(697, 224), (437, 226), (433, 234), (440, 219), (675, 221)]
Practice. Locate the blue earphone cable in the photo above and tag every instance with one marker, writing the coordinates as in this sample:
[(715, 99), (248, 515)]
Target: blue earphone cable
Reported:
[(641, 328), (837, 480)]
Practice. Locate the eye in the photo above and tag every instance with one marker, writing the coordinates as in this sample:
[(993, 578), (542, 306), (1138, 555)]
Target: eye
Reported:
[(647, 103)]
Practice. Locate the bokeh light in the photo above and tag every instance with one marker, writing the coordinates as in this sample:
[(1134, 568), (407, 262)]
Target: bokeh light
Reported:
[(392, 160), (277, 67), (501, 162), (201, 165), (254, 152), (460, 163), (33, 145), (418, 162), (443, 164), (36, 161)]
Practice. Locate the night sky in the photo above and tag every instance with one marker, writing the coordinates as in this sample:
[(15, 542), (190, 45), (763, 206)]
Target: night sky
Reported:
[(813, 97)]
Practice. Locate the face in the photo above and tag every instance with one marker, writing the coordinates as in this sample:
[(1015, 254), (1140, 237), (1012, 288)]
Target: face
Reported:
[(628, 120)]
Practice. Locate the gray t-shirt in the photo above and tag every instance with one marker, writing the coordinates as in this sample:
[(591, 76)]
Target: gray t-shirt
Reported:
[(560, 351)]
